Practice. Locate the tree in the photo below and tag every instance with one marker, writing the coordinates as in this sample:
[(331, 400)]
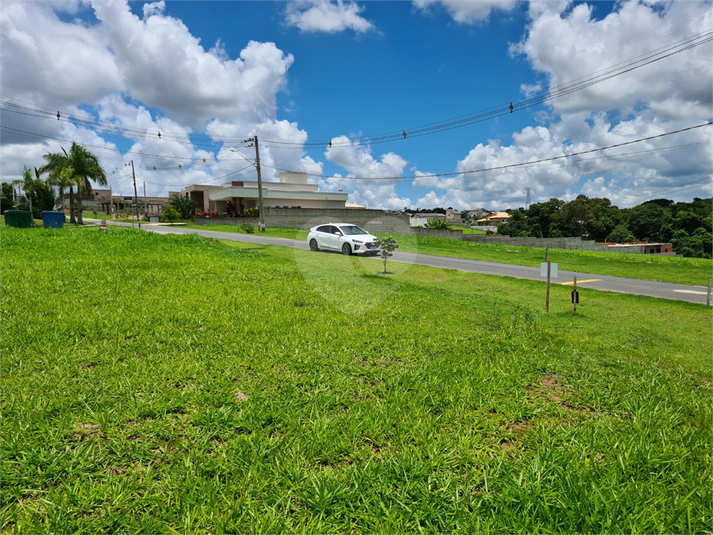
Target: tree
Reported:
[(61, 172), (63, 180), (7, 202), (388, 246), (620, 234), (185, 206), (645, 221), (85, 169), (28, 184)]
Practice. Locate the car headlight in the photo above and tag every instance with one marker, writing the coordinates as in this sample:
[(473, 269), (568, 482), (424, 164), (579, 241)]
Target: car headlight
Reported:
[(357, 241)]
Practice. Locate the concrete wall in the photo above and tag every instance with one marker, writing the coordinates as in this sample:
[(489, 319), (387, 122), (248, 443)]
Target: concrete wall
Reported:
[(438, 233), (371, 220), (378, 221), (553, 243)]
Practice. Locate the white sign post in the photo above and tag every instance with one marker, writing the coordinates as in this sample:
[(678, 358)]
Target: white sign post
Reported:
[(549, 270)]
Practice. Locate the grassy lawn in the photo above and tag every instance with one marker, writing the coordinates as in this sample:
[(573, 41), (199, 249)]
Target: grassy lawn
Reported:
[(175, 384), (680, 270)]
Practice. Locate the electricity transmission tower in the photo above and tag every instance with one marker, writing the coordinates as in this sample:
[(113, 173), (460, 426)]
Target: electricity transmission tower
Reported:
[(527, 199)]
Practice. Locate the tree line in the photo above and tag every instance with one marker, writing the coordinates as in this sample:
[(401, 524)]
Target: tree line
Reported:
[(65, 170), (687, 226)]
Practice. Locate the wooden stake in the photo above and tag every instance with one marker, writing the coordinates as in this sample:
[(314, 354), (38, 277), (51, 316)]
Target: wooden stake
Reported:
[(574, 295), (708, 295)]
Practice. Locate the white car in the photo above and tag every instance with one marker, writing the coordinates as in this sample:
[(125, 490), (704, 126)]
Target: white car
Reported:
[(344, 237)]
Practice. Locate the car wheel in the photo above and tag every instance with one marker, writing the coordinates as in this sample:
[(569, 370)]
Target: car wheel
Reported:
[(313, 245), (346, 249)]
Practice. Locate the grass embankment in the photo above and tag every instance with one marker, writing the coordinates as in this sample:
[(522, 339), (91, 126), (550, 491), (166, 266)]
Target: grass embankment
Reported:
[(164, 384), (692, 271)]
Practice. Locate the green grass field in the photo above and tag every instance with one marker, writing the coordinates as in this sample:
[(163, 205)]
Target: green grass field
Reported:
[(175, 384)]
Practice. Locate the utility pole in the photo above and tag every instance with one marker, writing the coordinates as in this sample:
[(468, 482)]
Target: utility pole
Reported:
[(136, 195), (146, 202), (259, 185)]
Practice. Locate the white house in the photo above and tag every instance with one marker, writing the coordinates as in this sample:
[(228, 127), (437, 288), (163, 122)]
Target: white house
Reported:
[(292, 191)]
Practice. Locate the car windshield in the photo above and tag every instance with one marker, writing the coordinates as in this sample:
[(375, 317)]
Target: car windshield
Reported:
[(352, 230)]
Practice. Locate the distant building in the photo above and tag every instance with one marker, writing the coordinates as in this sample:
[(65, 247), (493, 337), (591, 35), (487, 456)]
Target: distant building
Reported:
[(292, 191), (103, 200), (453, 216), (420, 219), (642, 248), (476, 214), (494, 218)]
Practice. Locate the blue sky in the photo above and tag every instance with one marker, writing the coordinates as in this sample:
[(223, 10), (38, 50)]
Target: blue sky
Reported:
[(300, 74)]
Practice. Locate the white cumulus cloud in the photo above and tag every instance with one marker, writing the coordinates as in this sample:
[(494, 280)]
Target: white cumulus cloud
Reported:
[(326, 16), (468, 11)]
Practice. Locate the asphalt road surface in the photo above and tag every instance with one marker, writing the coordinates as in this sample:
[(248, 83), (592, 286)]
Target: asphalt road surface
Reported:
[(662, 290)]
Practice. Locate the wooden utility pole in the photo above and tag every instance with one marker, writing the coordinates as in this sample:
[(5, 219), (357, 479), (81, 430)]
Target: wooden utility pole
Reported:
[(259, 185), (136, 195), (146, 203)]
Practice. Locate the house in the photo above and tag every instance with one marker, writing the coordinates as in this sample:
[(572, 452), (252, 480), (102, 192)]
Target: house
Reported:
[(494, 218), (103, 200), (198, 193), (420, 219), (642, 248), (476, 214), (453, 216), (292, 191)]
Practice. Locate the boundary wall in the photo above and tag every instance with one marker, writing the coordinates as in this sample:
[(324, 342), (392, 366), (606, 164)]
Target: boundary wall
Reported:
[(379, 221), (371, 220)]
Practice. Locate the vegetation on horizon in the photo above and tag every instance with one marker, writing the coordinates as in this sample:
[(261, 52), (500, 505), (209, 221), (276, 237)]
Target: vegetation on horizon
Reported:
[(270, 389), (686, 225)]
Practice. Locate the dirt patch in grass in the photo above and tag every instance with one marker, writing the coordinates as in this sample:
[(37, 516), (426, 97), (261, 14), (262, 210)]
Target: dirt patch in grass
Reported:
[(85, 431)]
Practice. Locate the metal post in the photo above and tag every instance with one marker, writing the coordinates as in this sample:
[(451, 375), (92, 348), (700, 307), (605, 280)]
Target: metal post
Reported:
[(708, 294), (547, 301), (259, 186), (574, 295)]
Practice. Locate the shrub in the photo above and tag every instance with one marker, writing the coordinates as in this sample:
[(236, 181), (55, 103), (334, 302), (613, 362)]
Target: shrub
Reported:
[(247, 227), (438, 223), (185, 206), (170, 215), (250, 212)]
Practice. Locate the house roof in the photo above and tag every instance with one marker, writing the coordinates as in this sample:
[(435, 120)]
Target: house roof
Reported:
[(495, 215)]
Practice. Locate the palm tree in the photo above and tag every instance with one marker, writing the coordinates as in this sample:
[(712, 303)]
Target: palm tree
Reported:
[(85, 168), (28, 185), (61, 174)]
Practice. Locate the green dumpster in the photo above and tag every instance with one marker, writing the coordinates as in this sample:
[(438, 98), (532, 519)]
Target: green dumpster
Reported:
[(53, 219), (18, 218)]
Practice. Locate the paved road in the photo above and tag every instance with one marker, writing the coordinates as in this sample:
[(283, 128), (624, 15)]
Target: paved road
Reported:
[(663, 290)]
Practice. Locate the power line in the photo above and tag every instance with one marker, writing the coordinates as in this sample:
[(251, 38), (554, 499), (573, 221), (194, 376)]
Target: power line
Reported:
[(121, 151), (506, 109), (432, 128), (34, 110), (508, 166)]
